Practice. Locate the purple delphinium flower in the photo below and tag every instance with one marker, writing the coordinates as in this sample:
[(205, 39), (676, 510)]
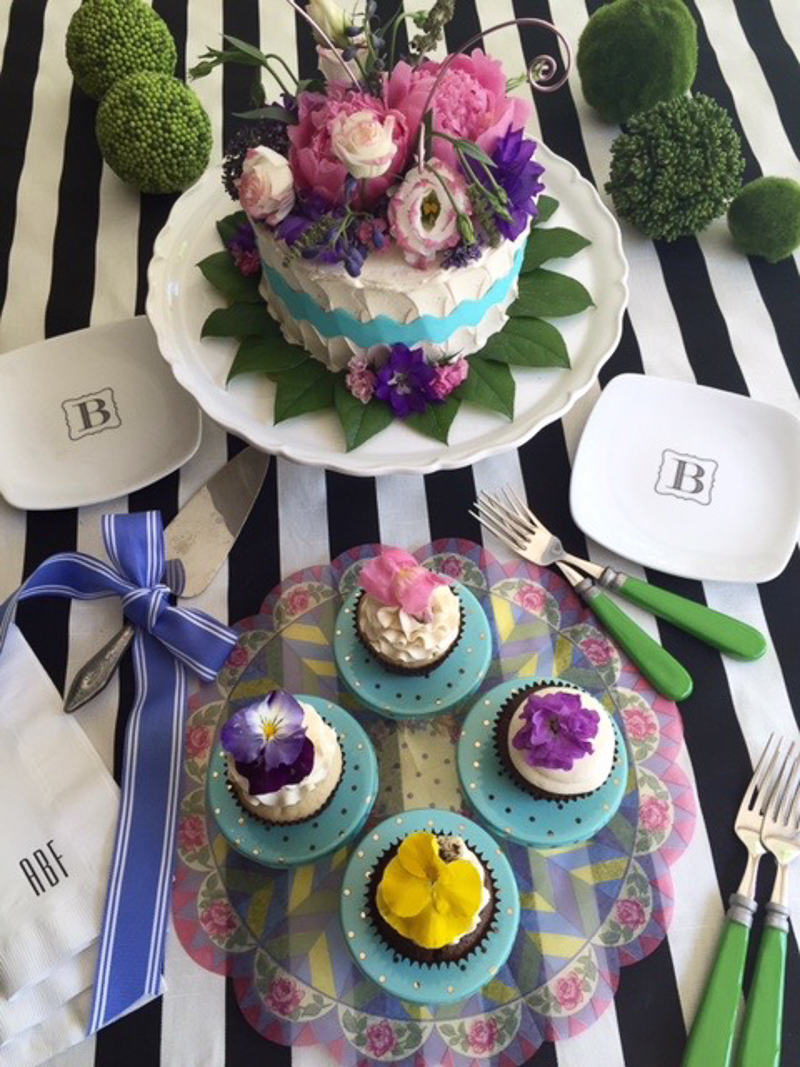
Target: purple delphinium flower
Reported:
[(315, 227), (557, 730), (518, 174), (242, 247), (406, 381), (268, 742)]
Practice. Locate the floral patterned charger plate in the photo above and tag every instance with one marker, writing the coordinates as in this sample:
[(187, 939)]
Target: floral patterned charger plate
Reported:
[(586, 909)]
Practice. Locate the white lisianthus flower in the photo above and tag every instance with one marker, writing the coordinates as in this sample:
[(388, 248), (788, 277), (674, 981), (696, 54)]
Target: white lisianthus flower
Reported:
[(266, 187), (364, 143), (331, 19)]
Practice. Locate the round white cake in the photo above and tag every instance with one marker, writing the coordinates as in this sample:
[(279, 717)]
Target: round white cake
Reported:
[(446, 311)]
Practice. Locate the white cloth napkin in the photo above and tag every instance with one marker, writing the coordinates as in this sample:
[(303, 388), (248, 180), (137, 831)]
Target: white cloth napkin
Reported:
[(58, 808)]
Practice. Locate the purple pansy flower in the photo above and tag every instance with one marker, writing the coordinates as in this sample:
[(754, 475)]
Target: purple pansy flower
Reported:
[(268, 742), (518, 174), (556, 731), (406, 381)]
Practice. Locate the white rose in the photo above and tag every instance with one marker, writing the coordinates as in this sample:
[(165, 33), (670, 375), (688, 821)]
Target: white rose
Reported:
[(364, 143), (331, 68), (331, 19), (266, 187)]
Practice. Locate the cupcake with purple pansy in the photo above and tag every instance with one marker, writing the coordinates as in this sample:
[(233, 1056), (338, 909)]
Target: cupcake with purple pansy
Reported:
[(284, 760)]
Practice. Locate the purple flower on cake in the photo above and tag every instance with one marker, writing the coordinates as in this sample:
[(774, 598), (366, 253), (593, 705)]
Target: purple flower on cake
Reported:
[(518, 175), (425, 211), (364, 142), (268, 742), (242, 247), (449, 376), (360, 379), (266, 187), (406, 381), (557, 730), (394, 578)]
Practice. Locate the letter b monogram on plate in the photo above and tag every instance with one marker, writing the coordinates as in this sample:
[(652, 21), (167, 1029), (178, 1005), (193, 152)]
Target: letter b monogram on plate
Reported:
[(686, 477), (91, 414)]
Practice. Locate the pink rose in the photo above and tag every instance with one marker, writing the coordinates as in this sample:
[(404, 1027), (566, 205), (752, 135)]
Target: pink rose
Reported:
[(482, 1035), (219, 919), (569, 991), (423, 213), (298, 601), (198, 740), (237, 657), (531, 598), (283, 996), (596, 651), (364, 143), (394, 578), (266, 187), (448, 376), (315, 165), (360, 379), (192, 832), (380, 1038), (471, 101), (640, 726), (452, 567), (654, 814), (630, 913)]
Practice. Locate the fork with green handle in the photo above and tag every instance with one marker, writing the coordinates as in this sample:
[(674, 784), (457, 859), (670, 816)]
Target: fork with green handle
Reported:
[(711, 1040), (760, 1044)]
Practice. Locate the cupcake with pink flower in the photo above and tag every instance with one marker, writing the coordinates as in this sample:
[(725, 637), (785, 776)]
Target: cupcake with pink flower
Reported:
[(284, 760), (555, 740), (409, 618)]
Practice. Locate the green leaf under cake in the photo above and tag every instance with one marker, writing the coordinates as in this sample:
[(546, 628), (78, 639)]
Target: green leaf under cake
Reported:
[(548, 294), (224, 275), (527, 342), (266, 355), (239, 320), (437, 420), (489, 385), (359, 421), (307, 387), (553, 243)]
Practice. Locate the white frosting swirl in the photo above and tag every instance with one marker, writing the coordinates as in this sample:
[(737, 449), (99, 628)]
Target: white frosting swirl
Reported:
[(466, 853), (403, 639), (326, 750), (587, 773)]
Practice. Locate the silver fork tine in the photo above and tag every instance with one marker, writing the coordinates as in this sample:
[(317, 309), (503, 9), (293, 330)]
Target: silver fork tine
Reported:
[(783, 813), (762, 773), (780, 788), (502, 515), (498, 531), (523, 507)]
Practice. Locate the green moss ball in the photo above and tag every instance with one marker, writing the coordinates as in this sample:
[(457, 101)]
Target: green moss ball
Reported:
[(154, 132), (108, 39), (764, 218), (634, 53)]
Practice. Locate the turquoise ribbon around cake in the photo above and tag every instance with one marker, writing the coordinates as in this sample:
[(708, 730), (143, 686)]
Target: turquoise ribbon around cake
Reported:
[(384, 330)]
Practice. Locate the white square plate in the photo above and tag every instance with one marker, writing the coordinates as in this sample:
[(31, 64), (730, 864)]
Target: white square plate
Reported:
[(690, 480), (89, 416)]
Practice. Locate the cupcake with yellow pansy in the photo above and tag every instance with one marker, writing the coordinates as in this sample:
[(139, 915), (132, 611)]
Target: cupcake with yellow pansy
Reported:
[(431, 898)]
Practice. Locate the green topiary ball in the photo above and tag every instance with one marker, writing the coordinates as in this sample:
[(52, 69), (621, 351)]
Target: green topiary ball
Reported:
[(634, 53), (676, 167), (154, 132), (108, 39), (764, 218)]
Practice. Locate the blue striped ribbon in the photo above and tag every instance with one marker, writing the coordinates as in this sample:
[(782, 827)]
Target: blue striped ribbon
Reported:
[(167, 641)]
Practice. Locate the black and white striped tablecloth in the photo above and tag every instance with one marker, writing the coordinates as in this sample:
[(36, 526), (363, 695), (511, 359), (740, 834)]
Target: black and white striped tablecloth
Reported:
[(74, 246)]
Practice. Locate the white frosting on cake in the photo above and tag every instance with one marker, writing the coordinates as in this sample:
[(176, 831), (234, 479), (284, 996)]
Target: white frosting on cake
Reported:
[(587, 773), (388, 285), (405, 640), (327, 760)]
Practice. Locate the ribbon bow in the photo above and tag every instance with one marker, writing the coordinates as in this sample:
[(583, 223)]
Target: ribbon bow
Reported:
[(168, 639)]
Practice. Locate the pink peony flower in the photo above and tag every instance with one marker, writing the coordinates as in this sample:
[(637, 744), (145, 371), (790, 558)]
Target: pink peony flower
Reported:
[(298, 601), (630, 913), (192, 832), (283, 996), (640, 727), (471, 101), (422, 216), (198, 740), (219, 919), (597, 652), (360, 379), (396, 579), (654, 814), (569, 991), (448, 376), (315, 165), (482, 1035), (380, 1038), (237, 657), (531, 598), (266, 187)]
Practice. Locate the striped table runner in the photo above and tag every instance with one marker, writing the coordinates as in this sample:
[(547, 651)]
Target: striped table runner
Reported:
[(74, 247)]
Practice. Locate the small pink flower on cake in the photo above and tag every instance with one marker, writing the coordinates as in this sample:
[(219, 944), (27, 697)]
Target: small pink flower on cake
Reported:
[(360, 379), (364, 143), (426, 211), (449, 376), (394, 578), (266, 187)]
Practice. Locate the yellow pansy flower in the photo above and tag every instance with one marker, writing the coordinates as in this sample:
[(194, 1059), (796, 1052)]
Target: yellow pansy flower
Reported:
[(430, 902)]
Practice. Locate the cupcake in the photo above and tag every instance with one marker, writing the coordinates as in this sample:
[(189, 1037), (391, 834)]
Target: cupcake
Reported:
[(431, 898), (284, 760), (556, 740), (407, 617)]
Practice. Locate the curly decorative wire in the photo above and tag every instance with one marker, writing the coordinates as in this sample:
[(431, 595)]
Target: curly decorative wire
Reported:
[(321, 33), (541, 70)]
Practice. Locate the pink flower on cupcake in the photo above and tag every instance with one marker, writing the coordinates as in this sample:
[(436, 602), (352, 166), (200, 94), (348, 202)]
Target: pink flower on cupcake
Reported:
[(266, 187), (425, 211), (394, 578)]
